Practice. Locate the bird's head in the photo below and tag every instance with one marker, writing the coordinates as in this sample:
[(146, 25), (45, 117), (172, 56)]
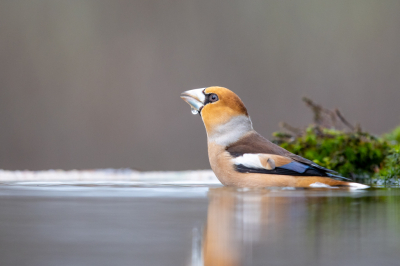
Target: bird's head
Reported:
[(219, 108)]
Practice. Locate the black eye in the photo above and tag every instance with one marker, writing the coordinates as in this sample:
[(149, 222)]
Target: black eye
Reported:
[(213, 97)]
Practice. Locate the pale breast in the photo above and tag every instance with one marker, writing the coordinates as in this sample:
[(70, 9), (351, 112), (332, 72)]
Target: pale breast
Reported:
[(220, 161)]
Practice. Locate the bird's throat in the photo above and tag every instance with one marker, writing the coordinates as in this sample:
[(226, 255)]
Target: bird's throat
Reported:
[(229, 132)]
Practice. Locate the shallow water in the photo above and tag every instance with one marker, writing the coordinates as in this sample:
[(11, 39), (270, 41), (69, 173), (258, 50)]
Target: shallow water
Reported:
[(128, 223)]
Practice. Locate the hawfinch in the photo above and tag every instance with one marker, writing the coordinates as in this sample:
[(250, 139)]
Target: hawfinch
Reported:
[(240, 157)]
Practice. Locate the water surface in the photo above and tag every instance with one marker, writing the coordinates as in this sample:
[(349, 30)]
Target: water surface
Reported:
[(128, 223)]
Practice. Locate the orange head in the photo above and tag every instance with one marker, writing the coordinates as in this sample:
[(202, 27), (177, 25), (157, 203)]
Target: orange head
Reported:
[(220, 108)]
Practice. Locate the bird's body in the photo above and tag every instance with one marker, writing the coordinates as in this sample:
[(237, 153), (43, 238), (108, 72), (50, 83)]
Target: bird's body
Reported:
[(241, 157)]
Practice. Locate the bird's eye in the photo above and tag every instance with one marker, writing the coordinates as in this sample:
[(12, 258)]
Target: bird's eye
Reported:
[(213, 97)]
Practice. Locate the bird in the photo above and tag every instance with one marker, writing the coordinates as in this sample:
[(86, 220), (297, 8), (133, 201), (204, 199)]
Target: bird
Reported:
[(240, 157)]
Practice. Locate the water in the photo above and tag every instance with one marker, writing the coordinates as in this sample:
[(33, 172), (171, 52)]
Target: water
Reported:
[(127, 223), (194, 111)]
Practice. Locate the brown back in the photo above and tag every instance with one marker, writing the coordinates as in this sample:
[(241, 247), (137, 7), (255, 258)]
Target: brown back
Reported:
[(255, 143)]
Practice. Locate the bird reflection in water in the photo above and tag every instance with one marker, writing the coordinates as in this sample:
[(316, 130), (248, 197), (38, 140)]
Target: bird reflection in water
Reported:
[(299, 227), (236, 220)]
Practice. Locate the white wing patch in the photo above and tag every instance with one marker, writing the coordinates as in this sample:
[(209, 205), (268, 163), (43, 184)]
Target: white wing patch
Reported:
[(249, 160)]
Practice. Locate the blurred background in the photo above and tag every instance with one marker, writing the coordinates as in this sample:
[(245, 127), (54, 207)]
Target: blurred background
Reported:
[(95, 84)]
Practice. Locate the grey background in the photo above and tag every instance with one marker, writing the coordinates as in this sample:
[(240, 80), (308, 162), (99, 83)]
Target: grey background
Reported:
[(95, 84)]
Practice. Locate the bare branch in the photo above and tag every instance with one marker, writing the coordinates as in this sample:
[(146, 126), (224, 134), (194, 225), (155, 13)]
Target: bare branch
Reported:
[(294, 130), (315, 108), (322, 116), (344, 121)]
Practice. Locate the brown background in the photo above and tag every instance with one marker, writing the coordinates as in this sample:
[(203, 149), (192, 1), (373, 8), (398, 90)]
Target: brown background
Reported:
[(95, 84)]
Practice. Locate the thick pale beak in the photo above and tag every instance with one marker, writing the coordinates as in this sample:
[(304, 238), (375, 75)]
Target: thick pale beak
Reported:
[(195, 98)]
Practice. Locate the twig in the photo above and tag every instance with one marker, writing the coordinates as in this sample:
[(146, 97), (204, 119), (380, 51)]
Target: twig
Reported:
[(322, 116), (316, 109), (345, 122), (295, 130)]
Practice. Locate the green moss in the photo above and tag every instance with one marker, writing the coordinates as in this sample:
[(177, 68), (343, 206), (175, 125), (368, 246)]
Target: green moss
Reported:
[(348, 150), (393, 137), (390, 167), (354, 154)]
